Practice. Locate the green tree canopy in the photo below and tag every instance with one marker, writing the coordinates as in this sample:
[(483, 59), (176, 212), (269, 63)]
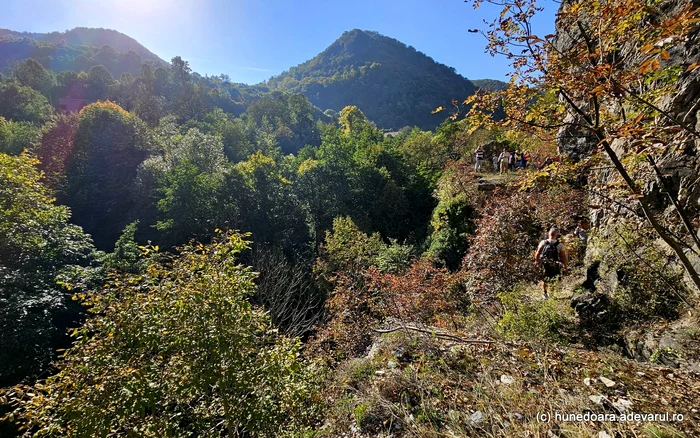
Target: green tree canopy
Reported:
[(18, 136), (110, 143), (23, 104), (352, 120), (37, 244), (31, 74), (99, 81), (178, 352)]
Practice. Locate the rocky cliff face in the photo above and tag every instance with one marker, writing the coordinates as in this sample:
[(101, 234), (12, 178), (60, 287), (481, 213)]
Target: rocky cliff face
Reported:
[(611, 211), (679, 165)]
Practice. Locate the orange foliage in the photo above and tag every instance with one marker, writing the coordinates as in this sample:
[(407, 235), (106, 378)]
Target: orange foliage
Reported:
[(501, 253), (360, 302)]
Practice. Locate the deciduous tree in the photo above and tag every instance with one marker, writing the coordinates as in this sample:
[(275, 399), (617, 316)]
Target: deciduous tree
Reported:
[(37, 245)]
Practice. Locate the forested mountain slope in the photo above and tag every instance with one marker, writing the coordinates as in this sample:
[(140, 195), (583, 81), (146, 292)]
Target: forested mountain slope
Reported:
[(393, 84), (77, 50), (85, 36), (490, 84)]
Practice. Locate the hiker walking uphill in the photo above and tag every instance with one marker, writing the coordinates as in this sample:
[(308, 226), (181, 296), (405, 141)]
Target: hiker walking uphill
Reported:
[(551, 254), (479, 157)]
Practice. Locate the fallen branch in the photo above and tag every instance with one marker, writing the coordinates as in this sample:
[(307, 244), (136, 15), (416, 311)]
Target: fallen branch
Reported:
[(436, 334)]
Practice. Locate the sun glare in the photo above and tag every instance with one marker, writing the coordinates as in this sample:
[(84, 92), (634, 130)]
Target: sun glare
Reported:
[(144, 7)]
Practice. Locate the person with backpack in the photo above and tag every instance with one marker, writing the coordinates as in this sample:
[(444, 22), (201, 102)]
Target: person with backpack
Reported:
[(479, 156), (551, 255)]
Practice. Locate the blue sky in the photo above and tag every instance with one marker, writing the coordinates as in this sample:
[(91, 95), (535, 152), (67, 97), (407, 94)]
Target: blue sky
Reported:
[(251, 40)]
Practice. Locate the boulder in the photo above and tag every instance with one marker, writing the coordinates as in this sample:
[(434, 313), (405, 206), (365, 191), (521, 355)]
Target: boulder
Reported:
[(591, 307)]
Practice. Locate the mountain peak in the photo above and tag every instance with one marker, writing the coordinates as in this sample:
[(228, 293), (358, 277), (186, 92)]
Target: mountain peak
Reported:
[(392, 83), (87, 36)]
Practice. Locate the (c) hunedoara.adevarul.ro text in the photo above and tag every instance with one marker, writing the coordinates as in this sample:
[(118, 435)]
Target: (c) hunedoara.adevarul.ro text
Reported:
[(545, 417)]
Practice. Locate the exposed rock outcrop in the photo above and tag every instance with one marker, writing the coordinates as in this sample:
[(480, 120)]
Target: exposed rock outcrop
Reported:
[(679, 165), (678, 179)]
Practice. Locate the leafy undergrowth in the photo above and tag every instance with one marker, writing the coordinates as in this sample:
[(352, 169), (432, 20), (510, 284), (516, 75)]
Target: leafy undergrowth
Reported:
[(415, 385)]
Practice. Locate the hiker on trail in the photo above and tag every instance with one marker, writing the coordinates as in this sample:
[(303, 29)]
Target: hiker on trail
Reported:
[(503, 159), (523, 160), (511, 161), (552, 255), (495, 162), (479, 156), (581, 230)]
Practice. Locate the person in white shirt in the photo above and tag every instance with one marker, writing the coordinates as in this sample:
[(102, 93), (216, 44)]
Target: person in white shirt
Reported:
[(503, 159), (479, 156), (582, 230)]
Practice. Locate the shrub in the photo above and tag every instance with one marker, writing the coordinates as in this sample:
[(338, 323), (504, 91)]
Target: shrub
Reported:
[(452, 219), (346, 249), (395, 257), (177, 351), (531, 321), (501, 251), (362, 300), (451, 227), (512, 223), (372, 281), (422, 294)]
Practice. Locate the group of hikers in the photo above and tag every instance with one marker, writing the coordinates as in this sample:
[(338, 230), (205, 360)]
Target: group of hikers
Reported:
[(552, 255), (507, 160)]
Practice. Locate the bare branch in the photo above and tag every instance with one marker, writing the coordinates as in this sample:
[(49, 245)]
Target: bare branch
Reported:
[(436, 334)]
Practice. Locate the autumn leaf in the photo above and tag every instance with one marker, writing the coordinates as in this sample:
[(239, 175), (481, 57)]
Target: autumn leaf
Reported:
[(655, 64)]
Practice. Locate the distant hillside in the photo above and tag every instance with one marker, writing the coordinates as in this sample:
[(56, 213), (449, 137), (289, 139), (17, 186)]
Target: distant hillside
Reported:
[(84, 36), (393, 84), (490, 84), (78, 50)]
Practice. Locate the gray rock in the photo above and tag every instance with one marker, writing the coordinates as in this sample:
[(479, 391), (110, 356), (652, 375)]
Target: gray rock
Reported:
[(591, 307), (477, 417)]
